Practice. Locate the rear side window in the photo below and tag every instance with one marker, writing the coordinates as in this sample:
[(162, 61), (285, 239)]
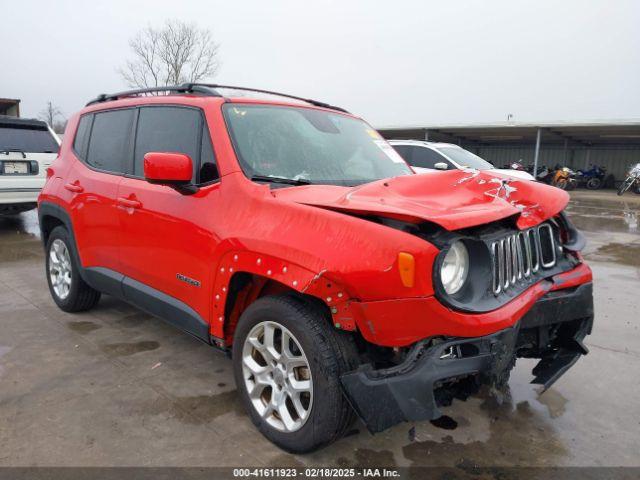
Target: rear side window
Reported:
[(28, 139), (423, 157), (168, 129), (110, 140), (81, 141), (404, 151)]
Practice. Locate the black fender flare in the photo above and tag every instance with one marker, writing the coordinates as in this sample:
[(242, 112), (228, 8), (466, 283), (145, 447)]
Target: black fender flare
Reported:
[(576, 241), (48, 209)]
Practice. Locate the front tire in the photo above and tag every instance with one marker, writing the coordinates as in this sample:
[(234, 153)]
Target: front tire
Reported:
[(625, 186), (68, 289), (287, 361), (561, 184)]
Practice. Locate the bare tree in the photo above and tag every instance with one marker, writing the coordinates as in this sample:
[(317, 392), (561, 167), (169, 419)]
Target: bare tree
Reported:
[(50, 113), (54, 117), (176, 53)]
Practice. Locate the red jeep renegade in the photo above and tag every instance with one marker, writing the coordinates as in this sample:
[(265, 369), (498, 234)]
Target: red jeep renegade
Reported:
[(288, 233)]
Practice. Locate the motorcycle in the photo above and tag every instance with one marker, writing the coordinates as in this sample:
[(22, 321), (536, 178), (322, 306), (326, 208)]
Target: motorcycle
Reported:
[(516, 166), (593, 178), (543, 174), (632, 180), (564, 178)]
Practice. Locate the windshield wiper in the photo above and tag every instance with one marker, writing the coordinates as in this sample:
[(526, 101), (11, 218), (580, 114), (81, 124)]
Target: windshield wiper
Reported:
[(287, 181), (6, 151)]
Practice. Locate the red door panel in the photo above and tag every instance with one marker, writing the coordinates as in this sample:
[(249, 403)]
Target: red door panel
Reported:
[(160, 240), (91, 198)]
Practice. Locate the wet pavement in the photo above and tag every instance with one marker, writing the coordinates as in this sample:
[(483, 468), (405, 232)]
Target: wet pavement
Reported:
[(116, 387)]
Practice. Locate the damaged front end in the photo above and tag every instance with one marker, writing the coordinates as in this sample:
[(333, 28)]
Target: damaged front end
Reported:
[(506, 281), (434, 372)]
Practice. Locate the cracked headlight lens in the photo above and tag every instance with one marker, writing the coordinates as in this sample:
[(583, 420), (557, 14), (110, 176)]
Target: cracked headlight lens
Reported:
[(455, 268)]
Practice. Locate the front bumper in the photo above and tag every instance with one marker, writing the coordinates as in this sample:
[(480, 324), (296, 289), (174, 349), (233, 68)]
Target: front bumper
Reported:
[(552, 330)]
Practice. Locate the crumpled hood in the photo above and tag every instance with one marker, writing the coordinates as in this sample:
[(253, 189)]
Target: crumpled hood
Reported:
[(454, 199)]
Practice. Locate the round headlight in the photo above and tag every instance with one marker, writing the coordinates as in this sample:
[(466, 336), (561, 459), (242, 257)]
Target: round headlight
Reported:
[(455, 268)]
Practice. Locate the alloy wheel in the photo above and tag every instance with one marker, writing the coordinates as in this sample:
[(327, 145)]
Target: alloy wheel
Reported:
[(60, 269), (277, 376)]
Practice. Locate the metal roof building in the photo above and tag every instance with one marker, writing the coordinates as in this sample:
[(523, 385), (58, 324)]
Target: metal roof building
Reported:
[(614, 145)]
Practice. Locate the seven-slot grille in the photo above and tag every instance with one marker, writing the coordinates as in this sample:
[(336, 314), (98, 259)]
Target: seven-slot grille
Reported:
[(521, 255)]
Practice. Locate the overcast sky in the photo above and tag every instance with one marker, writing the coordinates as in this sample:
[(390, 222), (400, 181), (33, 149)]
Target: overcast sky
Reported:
[(392, 62)]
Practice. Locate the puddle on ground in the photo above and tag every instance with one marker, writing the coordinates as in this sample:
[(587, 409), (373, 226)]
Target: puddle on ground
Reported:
[(83, 327), (445, 422), (510, 427), (209, 407), (133, 320), (604, 217), (20, 238), (601, 222), (631, 219), (196, 409), (554, 401), (25, 223), (285, 460), (3, 351), (621, 253), (367, 458), (126, 349), (19, 252)]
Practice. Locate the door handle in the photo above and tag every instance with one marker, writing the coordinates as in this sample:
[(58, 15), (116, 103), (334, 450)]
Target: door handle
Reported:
[(74, 187), (128, 203)]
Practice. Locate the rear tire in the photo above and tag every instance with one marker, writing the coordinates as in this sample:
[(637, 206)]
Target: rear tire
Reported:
[(328, 354), (70, 292), (594, 183)]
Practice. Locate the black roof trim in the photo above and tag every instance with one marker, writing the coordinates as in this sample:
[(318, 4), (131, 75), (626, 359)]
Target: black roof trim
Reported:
[(9, 121)]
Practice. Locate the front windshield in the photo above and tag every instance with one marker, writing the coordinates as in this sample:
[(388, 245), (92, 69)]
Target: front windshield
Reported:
[(465, 158), (313, 146)]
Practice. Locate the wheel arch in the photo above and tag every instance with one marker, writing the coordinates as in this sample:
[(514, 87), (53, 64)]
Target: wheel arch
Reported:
[(244, 277), (51, 216)]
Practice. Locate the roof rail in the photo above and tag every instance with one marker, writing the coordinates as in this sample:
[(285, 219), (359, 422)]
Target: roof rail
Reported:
[(185, 88), (269, 92), (207, 89)]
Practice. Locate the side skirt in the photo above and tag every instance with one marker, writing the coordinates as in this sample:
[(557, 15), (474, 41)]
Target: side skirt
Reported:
[(150, 300)]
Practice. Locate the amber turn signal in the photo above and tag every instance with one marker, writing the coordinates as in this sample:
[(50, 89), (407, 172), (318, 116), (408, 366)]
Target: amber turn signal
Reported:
[(406, 266)]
